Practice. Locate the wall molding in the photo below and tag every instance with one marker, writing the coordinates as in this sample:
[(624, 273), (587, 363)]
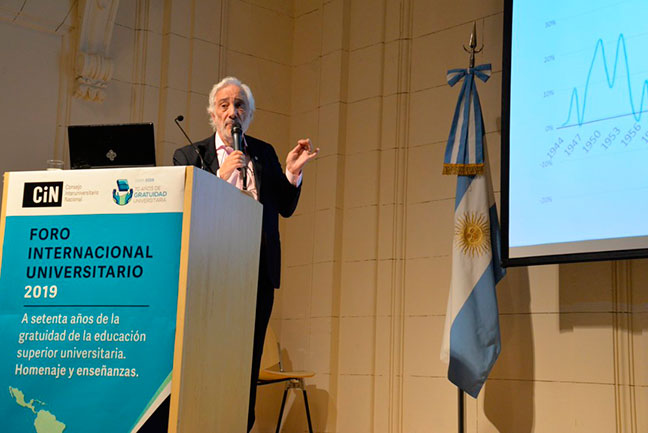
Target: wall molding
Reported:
[(93, 67), (623, 349), (140, 54), (404, 18)]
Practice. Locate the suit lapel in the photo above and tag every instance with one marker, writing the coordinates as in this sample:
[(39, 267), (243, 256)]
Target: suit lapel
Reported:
[(253, 151), (211, 161)]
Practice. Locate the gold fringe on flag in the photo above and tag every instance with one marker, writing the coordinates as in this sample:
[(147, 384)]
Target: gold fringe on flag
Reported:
[(463, 169)]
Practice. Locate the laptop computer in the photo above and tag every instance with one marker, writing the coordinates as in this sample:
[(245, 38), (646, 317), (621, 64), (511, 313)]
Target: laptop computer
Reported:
[(111, 146)]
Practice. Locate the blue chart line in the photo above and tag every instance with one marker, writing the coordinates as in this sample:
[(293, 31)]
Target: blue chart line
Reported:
[(636, 113)]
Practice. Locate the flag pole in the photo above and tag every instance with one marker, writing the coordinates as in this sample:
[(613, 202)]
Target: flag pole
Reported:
[(472, 50), (461, 410)]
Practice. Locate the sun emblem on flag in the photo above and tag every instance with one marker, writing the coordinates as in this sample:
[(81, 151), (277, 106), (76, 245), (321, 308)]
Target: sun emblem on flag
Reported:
[(472, 234)]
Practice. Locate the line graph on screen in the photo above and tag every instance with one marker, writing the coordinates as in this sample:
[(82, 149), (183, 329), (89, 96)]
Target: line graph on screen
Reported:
[(636, 110)]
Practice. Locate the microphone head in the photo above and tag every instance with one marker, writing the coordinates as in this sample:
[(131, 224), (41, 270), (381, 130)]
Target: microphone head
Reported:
[(180, 118), (236, 135)]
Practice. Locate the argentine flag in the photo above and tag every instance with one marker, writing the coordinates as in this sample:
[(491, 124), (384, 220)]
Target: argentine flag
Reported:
[(471, 339)]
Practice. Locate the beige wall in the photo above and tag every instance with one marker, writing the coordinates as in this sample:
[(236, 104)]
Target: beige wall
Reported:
[(29, 85), (367, 254)]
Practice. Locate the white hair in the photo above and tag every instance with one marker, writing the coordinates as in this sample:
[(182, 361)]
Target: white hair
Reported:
[(227, 81)]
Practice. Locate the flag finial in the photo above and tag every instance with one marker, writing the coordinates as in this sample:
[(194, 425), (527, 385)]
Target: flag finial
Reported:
[(472, 46)]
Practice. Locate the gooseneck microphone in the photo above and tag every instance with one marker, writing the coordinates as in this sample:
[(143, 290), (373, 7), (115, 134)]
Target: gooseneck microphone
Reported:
[(177, 121), (237, 137)]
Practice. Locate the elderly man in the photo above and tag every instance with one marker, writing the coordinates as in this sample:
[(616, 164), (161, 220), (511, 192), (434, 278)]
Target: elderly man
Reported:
[(231, 103)]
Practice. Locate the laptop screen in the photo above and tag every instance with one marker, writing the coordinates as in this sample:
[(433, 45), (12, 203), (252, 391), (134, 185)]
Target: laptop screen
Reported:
[(112, 146)]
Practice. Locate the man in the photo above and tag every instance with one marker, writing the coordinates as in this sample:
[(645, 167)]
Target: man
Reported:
[(231, 103)]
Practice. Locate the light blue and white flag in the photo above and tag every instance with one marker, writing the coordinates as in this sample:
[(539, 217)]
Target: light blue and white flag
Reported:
[(471, 339)]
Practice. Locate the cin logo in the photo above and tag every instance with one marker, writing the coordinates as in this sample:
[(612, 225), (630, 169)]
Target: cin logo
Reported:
[(43, 194)]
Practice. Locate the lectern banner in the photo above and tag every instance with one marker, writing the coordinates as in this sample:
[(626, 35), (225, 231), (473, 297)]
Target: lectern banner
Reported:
[(88, 297)]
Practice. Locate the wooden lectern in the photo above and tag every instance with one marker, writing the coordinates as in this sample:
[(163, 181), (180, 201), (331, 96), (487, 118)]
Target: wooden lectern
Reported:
[(219, 265)]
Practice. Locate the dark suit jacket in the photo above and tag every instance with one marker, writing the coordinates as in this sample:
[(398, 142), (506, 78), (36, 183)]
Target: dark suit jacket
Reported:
[(277, 195)]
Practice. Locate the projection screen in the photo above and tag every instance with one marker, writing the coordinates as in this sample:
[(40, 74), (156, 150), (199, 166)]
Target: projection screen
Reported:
[(574, 131)]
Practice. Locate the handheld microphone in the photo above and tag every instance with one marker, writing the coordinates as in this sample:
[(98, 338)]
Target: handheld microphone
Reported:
[(237, 136), (177, 121)]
